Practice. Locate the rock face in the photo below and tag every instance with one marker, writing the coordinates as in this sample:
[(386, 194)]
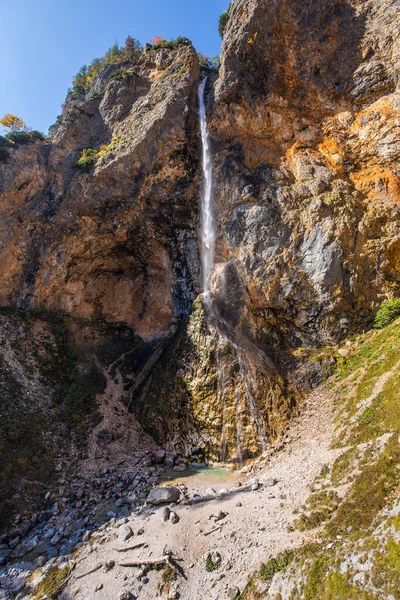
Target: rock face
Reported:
[(304, 120), (306, 135)]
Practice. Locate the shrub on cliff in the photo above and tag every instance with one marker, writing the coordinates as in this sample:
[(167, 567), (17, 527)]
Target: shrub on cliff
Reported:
[(120, 74), (159, 43), (87, 159), (130, 52), (24, 137), (388, 312), (223, 20)]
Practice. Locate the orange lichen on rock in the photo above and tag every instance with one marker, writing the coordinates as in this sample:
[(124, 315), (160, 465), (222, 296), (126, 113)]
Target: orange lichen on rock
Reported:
[(373, 181)]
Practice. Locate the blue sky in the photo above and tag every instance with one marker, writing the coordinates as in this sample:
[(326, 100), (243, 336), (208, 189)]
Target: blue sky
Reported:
[(44, 42)]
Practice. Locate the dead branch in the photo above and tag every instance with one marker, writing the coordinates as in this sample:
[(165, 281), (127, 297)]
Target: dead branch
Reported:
[(142, 545), (89, 572), (212, 530)]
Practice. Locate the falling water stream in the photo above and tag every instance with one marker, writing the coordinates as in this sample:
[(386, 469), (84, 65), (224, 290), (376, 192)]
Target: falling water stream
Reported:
[(207, 218), (224, 331)]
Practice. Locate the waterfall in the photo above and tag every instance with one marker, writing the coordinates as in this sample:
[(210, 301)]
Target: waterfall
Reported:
[(207, 218), (224, 333)]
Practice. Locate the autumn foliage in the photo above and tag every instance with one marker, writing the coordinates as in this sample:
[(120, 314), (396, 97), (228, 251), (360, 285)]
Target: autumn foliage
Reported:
[(13, 123)]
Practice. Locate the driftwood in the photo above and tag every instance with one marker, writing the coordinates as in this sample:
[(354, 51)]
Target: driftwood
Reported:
[(147, 563), (89, 572), (213, 530), (167, 559), (143, 544)]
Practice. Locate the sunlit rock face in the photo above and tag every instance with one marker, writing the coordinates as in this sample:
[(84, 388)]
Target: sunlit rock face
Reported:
[(306, 136), (118, 243)]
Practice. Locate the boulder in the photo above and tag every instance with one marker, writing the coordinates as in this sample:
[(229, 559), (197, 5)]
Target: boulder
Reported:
[(163, 495), (158, 456)]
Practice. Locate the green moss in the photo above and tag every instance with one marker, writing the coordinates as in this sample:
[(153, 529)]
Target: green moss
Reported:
[(324, 585), (386, 571), (211, 565), (275, 565), (52, 583)]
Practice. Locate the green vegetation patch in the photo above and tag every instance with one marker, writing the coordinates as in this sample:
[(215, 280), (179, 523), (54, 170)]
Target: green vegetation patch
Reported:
[(274, 565), (223, 20), (211, 565), (370, 493), (387, 313), (52, 583), (323, 584), (169, 45), (121, 74), (87, 159)]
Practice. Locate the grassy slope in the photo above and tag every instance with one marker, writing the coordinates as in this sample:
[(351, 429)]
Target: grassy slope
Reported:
[(358, 553)]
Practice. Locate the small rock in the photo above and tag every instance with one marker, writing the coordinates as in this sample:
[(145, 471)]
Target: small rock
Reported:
[(165, 513), (221, 515), (86, 537), (14, 542), (109, 565), (40, 561), (158, 456), (140, 531), (56, 539), (233, 593), (125, 533), (254, 484), (179, 468), (49, 533), (239, 504), (173, 517), (169, 462), (270, 482), (99, 587), (126, 595)]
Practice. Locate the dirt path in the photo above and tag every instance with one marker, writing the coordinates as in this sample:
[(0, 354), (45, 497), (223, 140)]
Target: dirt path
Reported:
[(254, 528)]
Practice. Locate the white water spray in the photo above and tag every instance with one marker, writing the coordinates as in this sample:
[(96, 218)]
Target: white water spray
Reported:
[(207, 217)]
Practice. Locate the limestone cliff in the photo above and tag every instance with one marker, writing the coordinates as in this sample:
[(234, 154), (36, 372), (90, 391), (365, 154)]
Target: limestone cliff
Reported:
[(304, 119)]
